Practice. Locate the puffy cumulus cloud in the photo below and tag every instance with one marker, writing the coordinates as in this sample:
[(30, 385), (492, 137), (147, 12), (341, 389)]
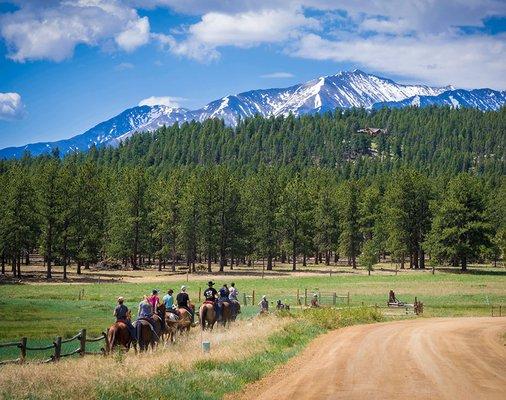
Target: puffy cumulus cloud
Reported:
[(51, 30), (168, 101), (11, 106), (242, 30), (465, 61), (276, 75)]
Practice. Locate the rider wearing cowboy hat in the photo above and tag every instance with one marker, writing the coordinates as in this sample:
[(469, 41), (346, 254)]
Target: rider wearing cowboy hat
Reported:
[(210, 294)]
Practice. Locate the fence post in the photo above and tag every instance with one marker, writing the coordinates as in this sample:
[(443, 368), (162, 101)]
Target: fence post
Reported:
[(298, 302), (253, 298), (82, 342), (500, 311), (106, 341), (200, 291), (492, 310), (348, 299), (305, 297), (22, 348), (245, 299), (334, 298), (57, 349)]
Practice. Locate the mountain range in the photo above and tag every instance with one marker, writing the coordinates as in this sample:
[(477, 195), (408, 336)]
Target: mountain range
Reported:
[(346, 89)]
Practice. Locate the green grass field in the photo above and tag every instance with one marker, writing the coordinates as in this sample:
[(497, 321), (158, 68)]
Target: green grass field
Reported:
[(43, 311)]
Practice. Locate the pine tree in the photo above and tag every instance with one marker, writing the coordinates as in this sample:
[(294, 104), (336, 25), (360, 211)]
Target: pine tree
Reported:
[(295, 217), (350, 237), (460, 229), (128, 225), (19, 223), (50, 210)]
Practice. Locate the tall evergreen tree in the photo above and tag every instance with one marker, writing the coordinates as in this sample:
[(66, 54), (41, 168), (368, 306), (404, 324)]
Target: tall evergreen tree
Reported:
[(350, 237), (460, 229)]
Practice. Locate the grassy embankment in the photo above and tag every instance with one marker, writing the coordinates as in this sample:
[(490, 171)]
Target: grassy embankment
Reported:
[(240, 355)]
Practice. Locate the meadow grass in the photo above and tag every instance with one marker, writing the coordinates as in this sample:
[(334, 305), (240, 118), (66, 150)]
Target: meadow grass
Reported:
[(43, 311), (239, 355)]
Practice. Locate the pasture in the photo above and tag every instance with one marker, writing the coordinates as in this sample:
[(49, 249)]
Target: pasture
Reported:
[(243, 353), (42, 311)]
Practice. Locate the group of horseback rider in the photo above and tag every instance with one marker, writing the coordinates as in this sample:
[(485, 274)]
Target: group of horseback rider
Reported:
[(151, 307)]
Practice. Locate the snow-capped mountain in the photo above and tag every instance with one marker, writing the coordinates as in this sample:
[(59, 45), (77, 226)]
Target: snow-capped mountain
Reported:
[(343, 90), (483, 99)]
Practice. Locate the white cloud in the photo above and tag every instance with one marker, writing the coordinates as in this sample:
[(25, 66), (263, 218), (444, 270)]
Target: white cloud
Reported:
[(11, 106), (465, 61), (242, 30), (124, 66), (168, 101), (275, 75), (136, 34), (51, 30)]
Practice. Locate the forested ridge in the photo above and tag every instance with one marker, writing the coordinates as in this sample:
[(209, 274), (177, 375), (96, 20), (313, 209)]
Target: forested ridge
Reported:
[(430, 183)]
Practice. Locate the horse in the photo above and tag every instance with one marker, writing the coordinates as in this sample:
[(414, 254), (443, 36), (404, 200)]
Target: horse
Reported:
[(185, 319), (145, 336), (207, 315), (226, 313), (236, 309), (118, 335)]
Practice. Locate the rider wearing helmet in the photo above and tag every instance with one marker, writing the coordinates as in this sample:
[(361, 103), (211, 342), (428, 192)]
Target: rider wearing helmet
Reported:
[(168, 301), (223, 298)]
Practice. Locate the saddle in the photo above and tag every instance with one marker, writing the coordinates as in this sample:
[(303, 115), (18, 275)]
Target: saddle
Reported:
[(208, 302)]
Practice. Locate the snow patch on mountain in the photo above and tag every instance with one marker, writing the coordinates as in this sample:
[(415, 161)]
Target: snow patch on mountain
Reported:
[(345, 89)]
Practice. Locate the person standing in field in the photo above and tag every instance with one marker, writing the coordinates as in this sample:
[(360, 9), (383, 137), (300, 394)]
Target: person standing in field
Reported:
[(264, 305), (122, 314)]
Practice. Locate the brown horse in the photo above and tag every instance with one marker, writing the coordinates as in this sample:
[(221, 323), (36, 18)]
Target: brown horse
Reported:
[(226, 313), (185, 319), (118, 335), (207, 316), (145, 335)]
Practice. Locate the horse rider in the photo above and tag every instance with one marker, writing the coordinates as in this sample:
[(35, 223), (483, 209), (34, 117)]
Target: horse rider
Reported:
[(122, 314), (168, 301), (223, 298), (264, 305), (233, 293), (154, 300), (146, 313), (210, 295), (183, 301)]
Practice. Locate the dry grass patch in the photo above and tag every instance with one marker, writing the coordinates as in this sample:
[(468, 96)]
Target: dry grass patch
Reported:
[(78, 378)]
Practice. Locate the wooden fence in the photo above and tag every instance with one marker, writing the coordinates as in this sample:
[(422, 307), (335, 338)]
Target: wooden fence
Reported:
[(80, 337), (302, 297), (496, 311)]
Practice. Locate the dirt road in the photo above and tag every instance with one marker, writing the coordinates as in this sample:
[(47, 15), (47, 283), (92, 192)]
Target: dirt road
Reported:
[(447, 358)]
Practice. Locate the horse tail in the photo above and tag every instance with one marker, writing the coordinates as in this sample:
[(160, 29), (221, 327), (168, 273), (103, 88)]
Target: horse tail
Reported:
[(202, 316), (111, 338)]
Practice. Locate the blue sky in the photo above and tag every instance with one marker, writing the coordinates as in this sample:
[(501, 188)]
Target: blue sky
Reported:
[(66, 66)]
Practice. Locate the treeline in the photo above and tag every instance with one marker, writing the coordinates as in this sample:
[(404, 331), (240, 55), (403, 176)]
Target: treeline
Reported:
[(77, 212), (284, 189)]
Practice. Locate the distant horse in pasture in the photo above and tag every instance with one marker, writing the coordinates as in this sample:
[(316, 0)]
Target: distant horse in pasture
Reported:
[(118, 335), (207, 315)]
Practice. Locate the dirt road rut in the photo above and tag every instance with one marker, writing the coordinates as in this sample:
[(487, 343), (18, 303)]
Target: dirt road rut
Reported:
[(445, 358)]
